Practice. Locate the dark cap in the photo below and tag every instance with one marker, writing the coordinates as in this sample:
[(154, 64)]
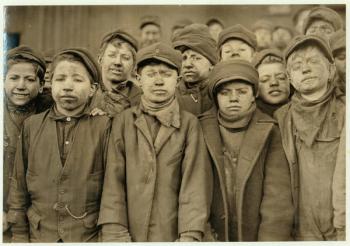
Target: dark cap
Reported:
[(337, 40), (212, 20), (121, 34), (27, 53), (196, 37), (160, 52), (182, 23), (232, 70), (149, 19), (260, 56), (262, 24), (301, 40), (237, 32), (87, 59), (326, 14)]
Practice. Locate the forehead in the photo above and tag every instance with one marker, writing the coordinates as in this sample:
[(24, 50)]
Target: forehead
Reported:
[(235, 85), (320, 22), (160, 66), (118, 45), (305, 51), (66, 66), (22, 67), (150, 28), (235, 42), (270, 68), (190, 52), (215, 25)]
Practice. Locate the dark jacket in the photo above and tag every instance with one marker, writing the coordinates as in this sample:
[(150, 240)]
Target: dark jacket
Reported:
[(59, 201), (264, 201), (167, 181)]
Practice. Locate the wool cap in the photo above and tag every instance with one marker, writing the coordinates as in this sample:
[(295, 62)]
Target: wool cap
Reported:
[(301, 40), (25, 52), (337, 40), (182, 23), (121, 34), (196, 37), (262, 24), (160, 52), (325, 14), (149, 19), (87, 60), (212, 20), (260, 56), (230, 71), (237, 32)]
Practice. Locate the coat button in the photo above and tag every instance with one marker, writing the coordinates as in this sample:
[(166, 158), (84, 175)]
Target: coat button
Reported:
[(68, 118)]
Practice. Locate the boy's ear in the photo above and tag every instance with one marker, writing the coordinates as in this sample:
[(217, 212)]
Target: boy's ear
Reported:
[(93, 89)]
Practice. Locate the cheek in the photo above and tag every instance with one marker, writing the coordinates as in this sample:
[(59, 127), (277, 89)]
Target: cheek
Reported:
[(222, 101)]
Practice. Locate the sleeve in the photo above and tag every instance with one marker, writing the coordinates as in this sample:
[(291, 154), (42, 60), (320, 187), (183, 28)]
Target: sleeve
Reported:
[(338, 188), (197, 183), (18, 199), (113, 210), (277, 210)]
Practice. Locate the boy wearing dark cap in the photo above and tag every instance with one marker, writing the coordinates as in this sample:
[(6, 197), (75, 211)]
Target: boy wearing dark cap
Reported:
[(311, 125), (274, 87), (56, 187), (263, 32), (252, 193), (23, 85), (158, 180), (237, 42), (322, 21), (338, 47), (198, 50), (117, 60), (150, 30)]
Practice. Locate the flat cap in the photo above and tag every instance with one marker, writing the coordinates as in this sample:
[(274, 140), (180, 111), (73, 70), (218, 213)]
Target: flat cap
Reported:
[(149, 19), (232, 70), (87, 59), (337, 40), (212, 20), (237, 32), (29, 54), (121, 34), (301, 40), (196, 37), (262, 24), (325, 14), (160, 52), (261, 55)]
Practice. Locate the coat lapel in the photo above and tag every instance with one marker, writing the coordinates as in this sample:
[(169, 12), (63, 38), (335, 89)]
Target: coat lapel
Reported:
[(163, 136), (141, 124)]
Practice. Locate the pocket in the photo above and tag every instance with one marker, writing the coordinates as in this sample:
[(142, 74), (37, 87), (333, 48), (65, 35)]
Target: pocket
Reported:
[(90, 221)]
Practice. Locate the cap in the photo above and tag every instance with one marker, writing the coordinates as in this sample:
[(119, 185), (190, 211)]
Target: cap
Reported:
[(262, 24), (87, 59), (196, 37), (212, 20), (260, 56), (149, 19), (325, 14), (300, 40), (121, 34), (286, 27), (160, 52), (232, 70), (337, 40), (25, 52), (182, 23), (237, 32)]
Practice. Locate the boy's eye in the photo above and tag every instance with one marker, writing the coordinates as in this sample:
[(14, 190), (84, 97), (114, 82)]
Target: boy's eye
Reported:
[(242, 92), (126, 57), (264, 79), (31, 79)]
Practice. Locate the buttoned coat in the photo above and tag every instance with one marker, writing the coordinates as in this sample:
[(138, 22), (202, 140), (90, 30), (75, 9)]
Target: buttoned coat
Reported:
[(167, 181), (262, 185), (59, 201)]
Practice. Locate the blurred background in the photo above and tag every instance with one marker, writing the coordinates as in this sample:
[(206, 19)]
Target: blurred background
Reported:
[(51, 28)]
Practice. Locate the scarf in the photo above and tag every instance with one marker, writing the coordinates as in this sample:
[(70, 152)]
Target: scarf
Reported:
[(168, 113), (269, 108), (117, 100), (24, 109), (238, 121), (309, 117)]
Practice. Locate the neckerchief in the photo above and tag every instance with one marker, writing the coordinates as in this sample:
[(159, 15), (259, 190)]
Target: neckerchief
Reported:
[(238, 121)]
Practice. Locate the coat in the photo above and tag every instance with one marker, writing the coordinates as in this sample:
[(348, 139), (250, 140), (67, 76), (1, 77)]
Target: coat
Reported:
[(59, 201), (156, 190), (262, 187)]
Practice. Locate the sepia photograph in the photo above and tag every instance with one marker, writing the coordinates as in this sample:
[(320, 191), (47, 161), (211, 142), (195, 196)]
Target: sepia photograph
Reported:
[(174, 123)]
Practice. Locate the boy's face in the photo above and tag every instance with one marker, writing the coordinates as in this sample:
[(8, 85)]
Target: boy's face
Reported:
[(71, 87), (235, 97), (281, 38), (195, 66), (309, 71), (263, 37), (116, 64), (22, 83), (321, 28), (158, 82), (340, 63), (273, 83), (215, 29), (236, 49), (150, 34)]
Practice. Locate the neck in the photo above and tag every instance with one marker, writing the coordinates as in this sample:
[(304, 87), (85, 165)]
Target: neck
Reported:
[(156, 105), (70, 113), (315, 96)]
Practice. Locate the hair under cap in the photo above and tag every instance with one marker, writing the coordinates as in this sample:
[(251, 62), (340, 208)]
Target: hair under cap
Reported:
[(261, 55), (231, 71), (87, 60), (196, 37), (149, 19), (160, 52)]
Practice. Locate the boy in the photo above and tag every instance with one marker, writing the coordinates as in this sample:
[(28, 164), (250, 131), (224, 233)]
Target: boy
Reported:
[(158, 180)]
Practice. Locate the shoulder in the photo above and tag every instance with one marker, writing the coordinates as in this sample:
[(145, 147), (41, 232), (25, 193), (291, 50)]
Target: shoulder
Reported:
[(208, 115), (282, 111), (262, 117)]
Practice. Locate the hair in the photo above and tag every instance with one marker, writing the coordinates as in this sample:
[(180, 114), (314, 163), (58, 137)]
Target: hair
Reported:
[(116, 42), (153, 62), (269, 59), (39, 71), (70, 58)]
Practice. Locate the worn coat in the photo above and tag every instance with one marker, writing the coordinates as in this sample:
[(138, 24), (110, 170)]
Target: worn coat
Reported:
[(59, 201), (168, 182), (263, 190)]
